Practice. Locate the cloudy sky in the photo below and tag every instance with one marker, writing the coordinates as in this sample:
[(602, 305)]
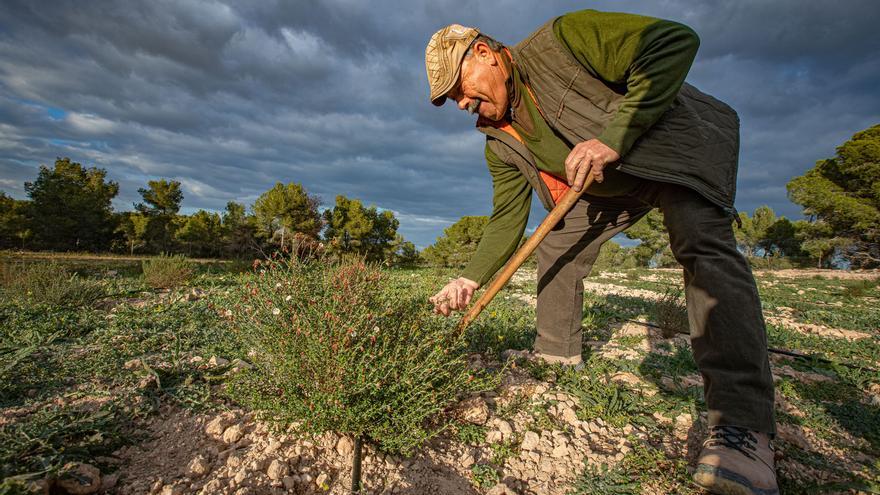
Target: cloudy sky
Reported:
[(230, 97)]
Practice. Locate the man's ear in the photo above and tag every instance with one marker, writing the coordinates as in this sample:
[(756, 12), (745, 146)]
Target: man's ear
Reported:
[(484, 53)]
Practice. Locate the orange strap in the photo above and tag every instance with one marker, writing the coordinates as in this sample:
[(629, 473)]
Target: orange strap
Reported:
[(557, 186)]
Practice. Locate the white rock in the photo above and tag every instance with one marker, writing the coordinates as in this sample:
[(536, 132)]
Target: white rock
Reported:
[(345, 446), (559, 451), (568, 415), (466, 460), (494, 436), (133, 364), (500, 489), (198, 467), (217, 426), (475, 410), (531, 440), (216, 361), (504, 428), (232, 434), (211, 487), (173, 490), (277, 470), (322, 481)]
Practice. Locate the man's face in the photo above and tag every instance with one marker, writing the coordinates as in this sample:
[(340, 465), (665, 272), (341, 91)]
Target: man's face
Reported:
[(482, 84)]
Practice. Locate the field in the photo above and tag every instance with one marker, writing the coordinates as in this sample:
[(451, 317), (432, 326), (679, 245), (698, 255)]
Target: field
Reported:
[(134, 384)]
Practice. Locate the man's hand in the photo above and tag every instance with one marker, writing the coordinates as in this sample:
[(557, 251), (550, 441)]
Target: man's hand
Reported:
[(456, 295), (588, 157)]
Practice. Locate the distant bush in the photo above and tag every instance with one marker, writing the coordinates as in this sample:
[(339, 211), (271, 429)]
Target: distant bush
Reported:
[(49, 283), (336, 348), (167, 271)]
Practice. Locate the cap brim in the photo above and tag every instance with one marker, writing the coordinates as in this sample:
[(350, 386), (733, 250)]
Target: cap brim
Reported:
[(439, 101)]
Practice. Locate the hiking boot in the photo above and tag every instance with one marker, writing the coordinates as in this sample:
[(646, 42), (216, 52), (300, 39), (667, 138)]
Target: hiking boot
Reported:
[(575, 362), (736, 461)]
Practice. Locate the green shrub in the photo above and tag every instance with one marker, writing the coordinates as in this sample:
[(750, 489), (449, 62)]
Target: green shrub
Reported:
[(336, 347), (49, 283), (167, 271)]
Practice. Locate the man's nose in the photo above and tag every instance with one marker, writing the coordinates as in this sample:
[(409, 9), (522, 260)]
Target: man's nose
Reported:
[(463, 102)]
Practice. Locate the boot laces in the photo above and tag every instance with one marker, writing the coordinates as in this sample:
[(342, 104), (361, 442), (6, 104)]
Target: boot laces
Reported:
[(736, 438)]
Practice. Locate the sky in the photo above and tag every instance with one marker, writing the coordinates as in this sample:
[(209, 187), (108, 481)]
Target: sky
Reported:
[(231, 97)]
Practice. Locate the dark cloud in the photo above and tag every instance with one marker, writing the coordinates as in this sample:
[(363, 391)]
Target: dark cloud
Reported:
[(231, 97)]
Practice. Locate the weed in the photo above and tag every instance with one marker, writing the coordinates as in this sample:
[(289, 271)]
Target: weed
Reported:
[(484, 475), (49, 283), (503, 451), (167, 271), (670, 313), (470, 434), (599, 397)]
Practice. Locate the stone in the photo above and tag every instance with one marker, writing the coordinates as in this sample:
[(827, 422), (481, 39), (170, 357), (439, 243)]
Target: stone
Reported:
[(475, 410), (217, 426), (133, 364), (157, 485), (504, 428), (345, 446), (232, 434), (217, 361), (569, 416), (233, 461), (277, 470), (198, 467), (210, 487), (500, 489), (559, 451), (531, 440), (466, 460), (323, 481), (80, 479), (173, 490), (494, 436)]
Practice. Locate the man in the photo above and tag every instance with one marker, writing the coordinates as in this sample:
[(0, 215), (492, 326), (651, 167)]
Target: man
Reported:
[(603, 94)]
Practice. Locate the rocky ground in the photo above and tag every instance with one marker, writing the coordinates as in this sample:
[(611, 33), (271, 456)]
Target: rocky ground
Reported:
[(544, 430)]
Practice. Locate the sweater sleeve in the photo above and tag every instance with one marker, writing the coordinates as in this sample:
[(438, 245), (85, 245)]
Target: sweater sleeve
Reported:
[(511, 202), (647, 57)]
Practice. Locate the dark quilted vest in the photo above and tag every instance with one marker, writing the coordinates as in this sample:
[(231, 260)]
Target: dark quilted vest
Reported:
[(695, 143)]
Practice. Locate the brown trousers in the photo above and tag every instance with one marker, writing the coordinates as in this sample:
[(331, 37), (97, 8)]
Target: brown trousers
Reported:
[(728, 336)]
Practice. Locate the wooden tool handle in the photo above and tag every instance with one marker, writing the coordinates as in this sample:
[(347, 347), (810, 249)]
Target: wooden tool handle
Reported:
[(559, 211)]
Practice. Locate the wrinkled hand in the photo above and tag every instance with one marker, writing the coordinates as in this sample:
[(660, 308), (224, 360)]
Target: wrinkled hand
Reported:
[(456, 295), (588, 157)]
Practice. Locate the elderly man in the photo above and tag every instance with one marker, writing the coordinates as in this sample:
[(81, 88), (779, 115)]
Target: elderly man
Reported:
[(603, 94)]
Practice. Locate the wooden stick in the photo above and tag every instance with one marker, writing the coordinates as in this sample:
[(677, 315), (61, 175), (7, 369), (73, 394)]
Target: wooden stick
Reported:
[(559, 211)]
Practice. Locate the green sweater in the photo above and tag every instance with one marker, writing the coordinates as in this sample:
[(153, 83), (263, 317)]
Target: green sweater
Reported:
[(645, 58)]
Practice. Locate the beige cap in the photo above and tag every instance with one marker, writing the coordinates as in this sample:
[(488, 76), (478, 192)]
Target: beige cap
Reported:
[(443, 59)]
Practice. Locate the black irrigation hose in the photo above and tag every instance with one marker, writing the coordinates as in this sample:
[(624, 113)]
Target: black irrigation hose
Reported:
[(356, 467), (797, 355)]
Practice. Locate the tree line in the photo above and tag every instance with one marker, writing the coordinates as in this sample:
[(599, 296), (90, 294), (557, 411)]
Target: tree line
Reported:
[(840, 198), (69, 209)]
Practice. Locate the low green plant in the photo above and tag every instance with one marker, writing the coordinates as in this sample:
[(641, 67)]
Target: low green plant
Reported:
[(599, 397), (337, 348), (167, 271), (471, 434), (49, 283), (484, 475)]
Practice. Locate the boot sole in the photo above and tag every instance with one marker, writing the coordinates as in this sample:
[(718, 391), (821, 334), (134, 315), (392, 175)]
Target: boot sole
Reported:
[(720, 481)]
